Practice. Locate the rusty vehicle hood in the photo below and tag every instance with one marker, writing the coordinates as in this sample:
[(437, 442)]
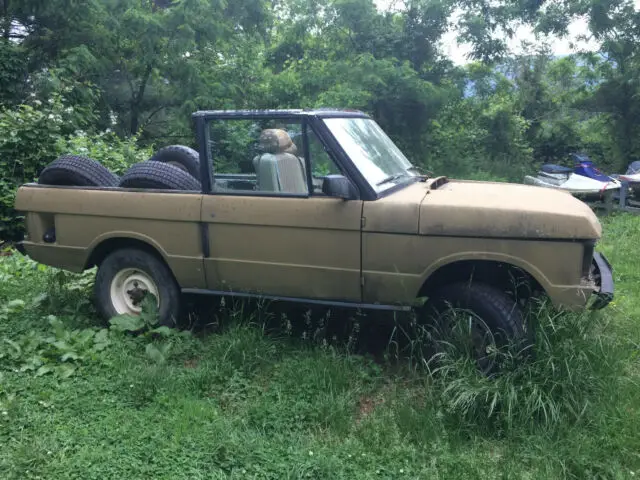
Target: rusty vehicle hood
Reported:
[(462, 208), (505, 210)]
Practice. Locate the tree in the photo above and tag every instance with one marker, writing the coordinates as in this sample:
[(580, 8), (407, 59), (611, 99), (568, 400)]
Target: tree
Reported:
[(615, 24), (135, 51)]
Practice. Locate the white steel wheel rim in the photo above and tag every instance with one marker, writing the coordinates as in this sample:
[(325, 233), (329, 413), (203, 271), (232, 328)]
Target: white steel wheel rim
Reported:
[(127, 289)]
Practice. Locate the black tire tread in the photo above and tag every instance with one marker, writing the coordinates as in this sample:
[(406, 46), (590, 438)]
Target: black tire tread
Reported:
[(75, 170), (157, 175), (501, 314), (488, 298), (185, 156)]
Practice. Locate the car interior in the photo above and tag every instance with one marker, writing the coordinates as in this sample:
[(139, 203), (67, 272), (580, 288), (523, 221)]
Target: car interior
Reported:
[(276, 168)]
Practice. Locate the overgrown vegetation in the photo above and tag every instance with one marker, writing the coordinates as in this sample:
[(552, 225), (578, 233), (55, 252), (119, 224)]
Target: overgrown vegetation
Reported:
[(35, 133), (270, 393)]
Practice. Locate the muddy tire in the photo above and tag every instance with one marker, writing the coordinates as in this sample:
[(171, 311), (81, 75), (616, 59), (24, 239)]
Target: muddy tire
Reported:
[(157, 175), (180, 156), (126, 276), (488, 317), (73, 170)]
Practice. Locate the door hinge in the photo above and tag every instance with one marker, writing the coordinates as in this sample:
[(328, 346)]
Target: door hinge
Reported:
[(362, 281), (363, 222)]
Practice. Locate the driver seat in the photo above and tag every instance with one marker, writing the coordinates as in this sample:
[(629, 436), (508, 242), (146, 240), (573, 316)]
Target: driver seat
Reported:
[(279, 169)]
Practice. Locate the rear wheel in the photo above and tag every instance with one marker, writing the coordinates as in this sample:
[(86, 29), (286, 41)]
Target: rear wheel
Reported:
[(127, 276), (481, 319)]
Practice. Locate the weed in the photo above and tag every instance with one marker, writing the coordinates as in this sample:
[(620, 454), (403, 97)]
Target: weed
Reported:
[(272, 391), (58, 352), (145, 325)]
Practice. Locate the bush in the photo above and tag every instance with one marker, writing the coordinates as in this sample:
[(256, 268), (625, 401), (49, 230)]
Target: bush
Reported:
[(35, 133), (475, 139), (28, 135), (107, 148)]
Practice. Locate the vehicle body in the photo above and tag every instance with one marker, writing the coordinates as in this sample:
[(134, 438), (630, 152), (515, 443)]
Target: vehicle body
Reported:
[(373, 234), (584, 180)]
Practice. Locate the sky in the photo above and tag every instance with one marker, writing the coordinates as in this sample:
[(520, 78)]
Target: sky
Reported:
[(559, 46)]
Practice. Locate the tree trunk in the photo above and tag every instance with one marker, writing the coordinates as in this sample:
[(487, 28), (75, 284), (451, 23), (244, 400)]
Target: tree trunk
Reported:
[(136, 101), (627, 120)]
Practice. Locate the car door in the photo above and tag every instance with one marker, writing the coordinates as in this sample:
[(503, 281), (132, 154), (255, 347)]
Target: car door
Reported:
[(266, 232)]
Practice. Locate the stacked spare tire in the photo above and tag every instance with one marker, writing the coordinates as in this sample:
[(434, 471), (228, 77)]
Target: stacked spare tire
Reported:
[(175, 167), (77, 171)]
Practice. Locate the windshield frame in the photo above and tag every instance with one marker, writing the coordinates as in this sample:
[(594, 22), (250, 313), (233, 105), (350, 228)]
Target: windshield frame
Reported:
[(314, 119), (375, 180)]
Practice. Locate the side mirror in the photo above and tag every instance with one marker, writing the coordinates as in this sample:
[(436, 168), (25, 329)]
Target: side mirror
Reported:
[(339, 186)]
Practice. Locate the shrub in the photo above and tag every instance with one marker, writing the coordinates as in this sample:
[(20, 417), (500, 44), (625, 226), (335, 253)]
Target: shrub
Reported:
[(107, 148), (35, 133), (28, 135)]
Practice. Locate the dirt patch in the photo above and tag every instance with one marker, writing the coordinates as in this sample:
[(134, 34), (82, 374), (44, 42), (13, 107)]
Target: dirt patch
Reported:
[(191, 363), (367, 405)]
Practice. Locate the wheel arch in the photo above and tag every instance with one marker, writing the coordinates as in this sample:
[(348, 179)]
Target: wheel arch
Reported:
[(511, 276), (105, 244)]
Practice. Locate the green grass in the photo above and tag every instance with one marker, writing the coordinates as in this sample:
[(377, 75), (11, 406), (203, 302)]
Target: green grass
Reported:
[(229, 401)]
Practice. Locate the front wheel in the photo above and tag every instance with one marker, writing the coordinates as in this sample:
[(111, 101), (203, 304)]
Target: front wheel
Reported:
[(483, 317), (127, 276)]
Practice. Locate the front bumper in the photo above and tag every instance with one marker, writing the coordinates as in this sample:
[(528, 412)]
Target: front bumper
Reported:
[(603, 276)]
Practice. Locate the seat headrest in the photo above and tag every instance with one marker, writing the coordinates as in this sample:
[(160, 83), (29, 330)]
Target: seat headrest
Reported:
[(275, 140)]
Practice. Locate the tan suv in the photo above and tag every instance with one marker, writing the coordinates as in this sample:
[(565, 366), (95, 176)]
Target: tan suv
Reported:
[(311, 206)]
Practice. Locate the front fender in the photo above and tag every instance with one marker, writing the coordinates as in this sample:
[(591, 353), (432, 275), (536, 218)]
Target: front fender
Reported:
[(397, 267), (472, 256)]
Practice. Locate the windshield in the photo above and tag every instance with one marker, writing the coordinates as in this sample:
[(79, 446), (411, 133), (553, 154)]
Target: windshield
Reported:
[(376, 156)]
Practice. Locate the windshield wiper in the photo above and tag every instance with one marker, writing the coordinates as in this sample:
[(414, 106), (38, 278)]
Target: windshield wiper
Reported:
[(391, 178)]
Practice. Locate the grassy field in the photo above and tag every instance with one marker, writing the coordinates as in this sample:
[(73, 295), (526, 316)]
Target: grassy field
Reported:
[(233, 398)]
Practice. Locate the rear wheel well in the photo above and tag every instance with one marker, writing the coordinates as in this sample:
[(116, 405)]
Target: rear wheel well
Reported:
[(514, 281), (103, 249)]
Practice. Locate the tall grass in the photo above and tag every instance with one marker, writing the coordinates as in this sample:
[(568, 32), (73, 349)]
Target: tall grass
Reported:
[(574, 360), (274, 391)]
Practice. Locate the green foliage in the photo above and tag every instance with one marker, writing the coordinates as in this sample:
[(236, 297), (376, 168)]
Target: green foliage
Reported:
[(555, 387), (472, 137), (35, 133), (13, 74), (299, 401), (13, 306), (146, 326), (107, 148), (59, 352), (29, 135), (143, 323)]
